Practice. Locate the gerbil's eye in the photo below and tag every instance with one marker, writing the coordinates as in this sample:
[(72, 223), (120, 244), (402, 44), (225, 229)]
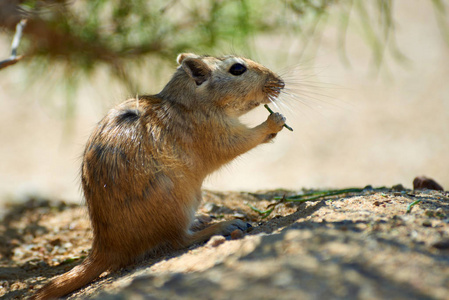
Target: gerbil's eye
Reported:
[(237, 69)]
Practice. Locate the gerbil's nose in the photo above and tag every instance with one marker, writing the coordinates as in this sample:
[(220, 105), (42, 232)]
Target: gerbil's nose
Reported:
[(274, 86), (281, 83)]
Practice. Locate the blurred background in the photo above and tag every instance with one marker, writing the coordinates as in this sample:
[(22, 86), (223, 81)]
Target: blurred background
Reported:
[(368, 92)]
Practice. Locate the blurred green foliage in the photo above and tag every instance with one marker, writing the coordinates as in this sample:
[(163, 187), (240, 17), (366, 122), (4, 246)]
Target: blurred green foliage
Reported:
[(81, 36)]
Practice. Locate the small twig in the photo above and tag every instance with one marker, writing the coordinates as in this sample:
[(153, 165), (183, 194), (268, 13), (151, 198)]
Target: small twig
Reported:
[(410, 206), (321, 194), (14, 45), (281, 200), (72, 259), (271, 112), (309, 197), (264, 213)]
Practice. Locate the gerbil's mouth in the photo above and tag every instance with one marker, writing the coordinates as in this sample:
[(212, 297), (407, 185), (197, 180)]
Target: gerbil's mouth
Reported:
[(254, 103), (268, 99), (271, 91)]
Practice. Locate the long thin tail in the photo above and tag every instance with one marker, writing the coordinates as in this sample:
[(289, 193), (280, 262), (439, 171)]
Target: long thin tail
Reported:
[(74, 279)]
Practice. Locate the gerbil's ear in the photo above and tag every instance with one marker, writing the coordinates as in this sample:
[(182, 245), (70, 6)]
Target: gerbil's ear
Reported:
[(181, 57), (197, 69)]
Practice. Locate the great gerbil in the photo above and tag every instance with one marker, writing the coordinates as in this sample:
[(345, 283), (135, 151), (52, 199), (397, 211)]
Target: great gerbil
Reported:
[(144, 164)]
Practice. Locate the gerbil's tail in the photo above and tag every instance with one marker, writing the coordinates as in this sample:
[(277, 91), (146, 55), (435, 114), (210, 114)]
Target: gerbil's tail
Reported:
[(74, 279)]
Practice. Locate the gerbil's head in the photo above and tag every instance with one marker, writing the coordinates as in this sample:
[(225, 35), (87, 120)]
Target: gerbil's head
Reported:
[(231, 83)]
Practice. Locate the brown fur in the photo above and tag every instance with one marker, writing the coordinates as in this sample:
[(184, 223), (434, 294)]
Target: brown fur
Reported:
[(144, 164)]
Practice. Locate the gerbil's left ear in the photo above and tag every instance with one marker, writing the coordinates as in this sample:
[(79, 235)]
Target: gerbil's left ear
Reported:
[(182, 56), (197, 69)]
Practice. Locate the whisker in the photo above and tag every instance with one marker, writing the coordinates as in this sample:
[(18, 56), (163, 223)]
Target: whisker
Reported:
[(306, 103), (286, 106), (304, 99), (306, 93), (324, 99), (273, 101), (310, 83)]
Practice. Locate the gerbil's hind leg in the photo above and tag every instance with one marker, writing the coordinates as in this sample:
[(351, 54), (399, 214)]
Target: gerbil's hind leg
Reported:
[(222, 228)]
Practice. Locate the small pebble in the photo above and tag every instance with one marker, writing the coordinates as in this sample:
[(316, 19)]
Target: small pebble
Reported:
[(18, 253), (427, 223), (210, 207), (237, 234), (422, 182), (429, 213), (216, 240), (61, 250), (56, 242), (439, 212), (441, 244), (239, 216), (398, 188), (67, 245)]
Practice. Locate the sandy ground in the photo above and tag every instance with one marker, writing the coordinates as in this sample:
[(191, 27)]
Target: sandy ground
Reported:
[(354, 246), (356, 127)]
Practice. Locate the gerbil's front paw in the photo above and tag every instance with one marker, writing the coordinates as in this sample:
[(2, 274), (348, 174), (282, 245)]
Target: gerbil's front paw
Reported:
[(229, 226), (275, 122)]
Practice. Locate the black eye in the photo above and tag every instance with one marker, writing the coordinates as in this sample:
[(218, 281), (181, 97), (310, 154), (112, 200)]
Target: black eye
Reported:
[(237, 69)]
